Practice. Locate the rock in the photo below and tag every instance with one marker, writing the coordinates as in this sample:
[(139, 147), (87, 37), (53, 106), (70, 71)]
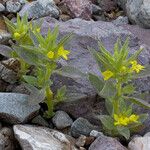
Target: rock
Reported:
[(81, 126), (14, 108), (5, 50), (40, 138), (122, 4), (82, 98), (64, 17), (147, 134), (2, 8), (139, 143), (138, 12), (8, 75), (107, 5), (4, 37), (96, 134), (13, 6), (81, 141), (7, 139), (106, 143), (38, 120), (62, 120), (79, 8), (40, 8), (121, 21), (96, 10)]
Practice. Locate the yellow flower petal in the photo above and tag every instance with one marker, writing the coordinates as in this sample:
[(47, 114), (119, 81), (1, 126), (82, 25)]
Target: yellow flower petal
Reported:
[(63, 53), (136, 67), (107, 74), (133, 118), (50, 55)]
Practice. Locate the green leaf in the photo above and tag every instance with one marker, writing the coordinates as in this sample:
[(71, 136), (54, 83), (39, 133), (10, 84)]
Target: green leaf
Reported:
[(60, 96), (70, 71), (138, 101), (109, 106), (128, 89), (96, 82), (30, 80), (107, 121), (143, 117), (124, 131), (108, 90)]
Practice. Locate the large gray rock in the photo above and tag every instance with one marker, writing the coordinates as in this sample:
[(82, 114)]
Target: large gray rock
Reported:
[(82, 101), (40, 138), (40, 8), (106, 143), (14, 108), (139, 12)]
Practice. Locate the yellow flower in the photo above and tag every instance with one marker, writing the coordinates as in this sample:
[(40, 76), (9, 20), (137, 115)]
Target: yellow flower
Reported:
[(123, 69), (50, 54), (124, 120), (136, 67), (120, 120), (107, 74), (63, 53), (17, 35), (38, 29), (133, 118)]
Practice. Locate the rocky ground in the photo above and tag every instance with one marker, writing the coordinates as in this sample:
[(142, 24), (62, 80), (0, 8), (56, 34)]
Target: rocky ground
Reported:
[(76, 125)]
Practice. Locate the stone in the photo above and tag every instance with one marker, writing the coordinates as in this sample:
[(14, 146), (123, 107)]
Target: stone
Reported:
[(96, 10), (82, 99), (62, 120), (41, 138), (5, 50), (79, 8), (122, 4), (139, 143), (14, 108), (7, 75), (81, 126), (107, 5), (7, 139), (96, 134), (106, 143), (121, 20), (2, 8), (13, 6), (40, 8), (147, 134), (38, 120), (64, 17), (81, 141), (4, 37), (138, 12)]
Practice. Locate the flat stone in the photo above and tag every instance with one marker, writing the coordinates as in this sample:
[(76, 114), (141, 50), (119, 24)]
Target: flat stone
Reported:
[(62, 120), (5, 50), (40, 8), (106, 143), (14, 108), (96, 134), (81, 126), (121, 20), (139, 143), (4, 37), (41, 138)]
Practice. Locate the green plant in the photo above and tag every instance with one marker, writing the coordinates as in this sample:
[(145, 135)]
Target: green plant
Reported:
[(118, 70), (20, 34), (41, 53)]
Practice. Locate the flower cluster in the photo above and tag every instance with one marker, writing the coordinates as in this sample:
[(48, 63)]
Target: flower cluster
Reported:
[(122, 120)]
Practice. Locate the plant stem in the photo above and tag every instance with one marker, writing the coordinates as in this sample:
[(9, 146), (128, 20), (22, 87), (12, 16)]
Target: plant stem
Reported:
[(117, 97), (49, 101)]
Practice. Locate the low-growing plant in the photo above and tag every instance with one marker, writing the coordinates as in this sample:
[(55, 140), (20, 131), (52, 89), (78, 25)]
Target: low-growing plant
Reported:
[(20, 35), (118, 70), (41, 53)]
